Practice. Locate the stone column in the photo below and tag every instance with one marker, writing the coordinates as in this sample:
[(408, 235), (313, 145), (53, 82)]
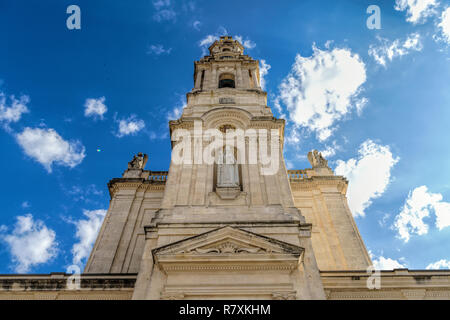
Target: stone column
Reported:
[(213, 79), (145, 270), (246, 78), (239, 83), (198, 79), (206, 78), (255, 78)]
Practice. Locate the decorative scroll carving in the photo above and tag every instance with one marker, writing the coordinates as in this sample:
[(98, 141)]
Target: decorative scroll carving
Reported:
[(228, 247), (284, 295), (172, 296), (226, 69)]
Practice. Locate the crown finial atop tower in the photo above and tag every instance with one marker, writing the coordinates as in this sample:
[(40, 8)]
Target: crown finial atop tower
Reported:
[(226, 45), (225, 68)]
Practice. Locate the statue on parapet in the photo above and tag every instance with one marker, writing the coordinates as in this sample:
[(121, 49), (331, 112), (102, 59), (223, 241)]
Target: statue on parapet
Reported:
[(139, 161), (317, 160)]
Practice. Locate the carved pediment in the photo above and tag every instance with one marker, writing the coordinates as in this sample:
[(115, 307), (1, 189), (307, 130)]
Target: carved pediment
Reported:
[(228, 248), (228, 240)]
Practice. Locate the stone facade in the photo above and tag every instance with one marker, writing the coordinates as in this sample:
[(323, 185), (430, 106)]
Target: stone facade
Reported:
[(55, 287), (400, 284), (183, 234)]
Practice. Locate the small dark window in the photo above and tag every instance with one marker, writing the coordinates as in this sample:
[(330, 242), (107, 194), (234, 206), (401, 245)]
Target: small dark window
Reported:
[(226, 83), (225, 49)]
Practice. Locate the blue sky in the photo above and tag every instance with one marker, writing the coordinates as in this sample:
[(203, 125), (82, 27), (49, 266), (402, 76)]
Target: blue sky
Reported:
[(75, 105)]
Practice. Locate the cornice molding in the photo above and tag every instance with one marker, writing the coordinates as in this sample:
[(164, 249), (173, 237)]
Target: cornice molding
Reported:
[(229, 267), (60, 284), (315, 182), (140, 186)]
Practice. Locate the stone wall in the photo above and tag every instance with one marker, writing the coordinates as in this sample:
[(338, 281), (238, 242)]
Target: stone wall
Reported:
[(54, 287), (120, 242), (399, 284), (336, 240)]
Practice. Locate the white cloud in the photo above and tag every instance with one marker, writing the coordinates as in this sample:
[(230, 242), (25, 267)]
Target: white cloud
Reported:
[(196, 25), (418, 206), (382, 222), (388, 51), (293, 136), (441, 264), (323, 88), (277, 106), (444, 24), (31, 243), (26, 205), (165, 15), (176, 112), (330, 151), (382, 263), (158, 49), (442, 212), (87, 230), (264, 68), (417, 10), (368, 175), (95, 108), (130, 126), (14, 111), (159, 4), (248, 44), (47, 147), (208, 40), (163, 11), (83, 193), (189, 6)]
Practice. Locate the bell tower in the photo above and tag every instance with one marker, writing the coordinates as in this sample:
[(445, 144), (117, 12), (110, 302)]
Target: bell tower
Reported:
[(227, 226), (226, 77), (227, 221), (242, 74)]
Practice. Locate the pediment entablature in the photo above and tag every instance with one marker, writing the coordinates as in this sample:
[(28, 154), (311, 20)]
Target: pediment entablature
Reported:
[(228, 248)]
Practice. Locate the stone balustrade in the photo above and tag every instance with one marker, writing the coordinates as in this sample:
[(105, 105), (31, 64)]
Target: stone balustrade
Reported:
[(161, 176), (297, 174), (158, 176)]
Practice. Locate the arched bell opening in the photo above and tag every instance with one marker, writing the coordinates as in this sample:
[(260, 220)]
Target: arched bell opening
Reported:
[(226, 80)]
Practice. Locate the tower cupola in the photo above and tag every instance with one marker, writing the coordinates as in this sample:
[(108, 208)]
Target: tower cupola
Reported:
[(226, 66)]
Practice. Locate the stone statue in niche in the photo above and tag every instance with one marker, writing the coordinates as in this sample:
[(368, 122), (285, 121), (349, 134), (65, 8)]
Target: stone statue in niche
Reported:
[(317, 160), (139, 161), (227, 169)]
